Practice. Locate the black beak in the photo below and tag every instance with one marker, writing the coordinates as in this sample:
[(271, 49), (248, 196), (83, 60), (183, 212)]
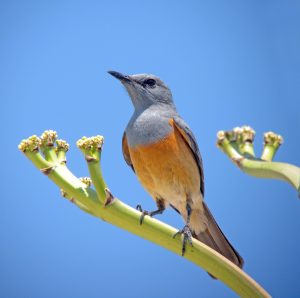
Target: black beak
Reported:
[(119, 76)]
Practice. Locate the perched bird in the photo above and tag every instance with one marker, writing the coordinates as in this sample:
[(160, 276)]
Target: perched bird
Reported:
[(162, 151)]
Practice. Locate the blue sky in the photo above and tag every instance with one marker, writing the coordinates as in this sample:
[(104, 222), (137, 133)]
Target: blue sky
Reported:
[(228, 63)]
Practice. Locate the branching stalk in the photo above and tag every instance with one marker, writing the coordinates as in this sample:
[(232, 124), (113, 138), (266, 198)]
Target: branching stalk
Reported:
[(103, 205), (235, 144), (91, 148)]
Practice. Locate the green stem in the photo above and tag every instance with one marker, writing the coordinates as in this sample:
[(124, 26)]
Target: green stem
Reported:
[(247, 148), (233, 146), (61, 149), (65, 179), (272, 142), (274, 170), (268, 152), (50, 154), (227, 147), (200, 254), (38, 160), (77, 203), (61, 155), (97, 178), (127, 218), (91, 148)]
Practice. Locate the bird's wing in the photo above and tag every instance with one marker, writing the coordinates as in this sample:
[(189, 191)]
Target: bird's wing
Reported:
[(188, 136), (125, 150)]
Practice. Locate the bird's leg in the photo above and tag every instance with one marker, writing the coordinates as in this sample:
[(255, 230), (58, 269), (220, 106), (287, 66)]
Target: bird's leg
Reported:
[(160, 209), (186, 230)]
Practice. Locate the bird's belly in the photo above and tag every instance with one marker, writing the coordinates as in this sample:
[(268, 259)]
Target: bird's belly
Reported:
[(167, 169)]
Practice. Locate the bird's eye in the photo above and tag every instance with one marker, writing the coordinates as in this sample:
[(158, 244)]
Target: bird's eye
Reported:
[(150, 82)]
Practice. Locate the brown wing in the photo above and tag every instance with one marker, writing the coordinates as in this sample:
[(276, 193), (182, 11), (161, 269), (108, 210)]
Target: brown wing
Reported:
[(125, 150), (188, 136)]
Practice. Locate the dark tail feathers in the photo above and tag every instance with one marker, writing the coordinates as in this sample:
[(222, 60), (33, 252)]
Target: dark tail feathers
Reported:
[(214, 238)]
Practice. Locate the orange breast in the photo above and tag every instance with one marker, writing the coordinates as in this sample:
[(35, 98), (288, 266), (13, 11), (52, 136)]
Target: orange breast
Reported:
[(167, 168)]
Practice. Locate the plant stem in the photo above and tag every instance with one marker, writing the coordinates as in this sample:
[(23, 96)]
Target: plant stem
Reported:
[(232, 143), (274, 170), (127, 218)]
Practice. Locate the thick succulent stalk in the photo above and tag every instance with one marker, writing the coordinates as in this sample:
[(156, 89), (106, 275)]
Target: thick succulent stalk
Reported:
[(99, 202)]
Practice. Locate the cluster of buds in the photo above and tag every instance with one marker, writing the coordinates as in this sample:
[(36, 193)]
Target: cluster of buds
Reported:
[(92, 143), (91, 147), (31, 144), (272, 142), (239, 142), (47, 139), (272, 138), (50, 157), (240, 139)]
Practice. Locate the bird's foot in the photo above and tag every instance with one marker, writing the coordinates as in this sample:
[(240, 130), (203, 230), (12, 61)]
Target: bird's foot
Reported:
[(187, 237), (150, 213), (144, 213)]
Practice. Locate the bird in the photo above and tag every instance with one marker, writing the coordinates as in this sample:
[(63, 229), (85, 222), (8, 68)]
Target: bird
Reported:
[(163, 152)]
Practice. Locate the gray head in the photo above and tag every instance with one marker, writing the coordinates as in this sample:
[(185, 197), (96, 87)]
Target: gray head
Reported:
[(145, 89)]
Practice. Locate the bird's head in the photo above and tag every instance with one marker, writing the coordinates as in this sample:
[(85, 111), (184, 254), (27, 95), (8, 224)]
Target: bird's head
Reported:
[(145, 89)]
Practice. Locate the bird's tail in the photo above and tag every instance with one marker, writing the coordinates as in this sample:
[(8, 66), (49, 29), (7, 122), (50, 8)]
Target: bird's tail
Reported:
[(214, 238)]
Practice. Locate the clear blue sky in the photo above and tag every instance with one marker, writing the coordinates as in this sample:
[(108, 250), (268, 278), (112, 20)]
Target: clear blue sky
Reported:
[(228, 63)]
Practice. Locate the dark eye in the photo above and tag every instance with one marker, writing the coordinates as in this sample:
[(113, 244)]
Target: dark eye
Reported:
[(150, 82)]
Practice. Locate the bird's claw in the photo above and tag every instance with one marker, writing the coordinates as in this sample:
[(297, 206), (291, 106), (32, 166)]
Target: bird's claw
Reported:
[(144, 213), (187, 237)]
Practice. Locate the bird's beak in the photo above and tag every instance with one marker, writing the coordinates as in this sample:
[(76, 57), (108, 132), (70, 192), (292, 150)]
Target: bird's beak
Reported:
[(120, 76)]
